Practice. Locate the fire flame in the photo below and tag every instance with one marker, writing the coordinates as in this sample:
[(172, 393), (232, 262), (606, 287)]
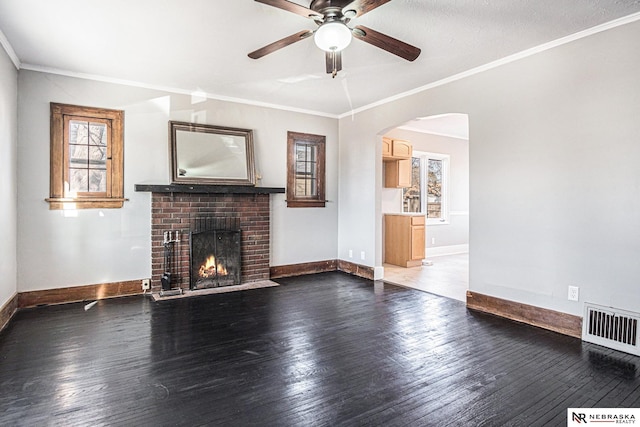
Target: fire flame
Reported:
[(208, 269)]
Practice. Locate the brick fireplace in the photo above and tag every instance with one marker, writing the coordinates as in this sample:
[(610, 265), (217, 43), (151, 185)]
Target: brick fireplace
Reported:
[(175, 208)]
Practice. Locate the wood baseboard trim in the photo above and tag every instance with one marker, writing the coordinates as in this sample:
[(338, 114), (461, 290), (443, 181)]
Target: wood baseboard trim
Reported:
[(8, 310), (322, 267), (356, 269), (79, 293), (556, 321), (301, 269)]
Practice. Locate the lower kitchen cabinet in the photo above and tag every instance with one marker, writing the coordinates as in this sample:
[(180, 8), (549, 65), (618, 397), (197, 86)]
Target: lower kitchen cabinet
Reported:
[(404, 239)]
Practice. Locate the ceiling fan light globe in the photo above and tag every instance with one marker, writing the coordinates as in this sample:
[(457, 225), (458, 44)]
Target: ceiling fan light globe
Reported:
[(332, 36)]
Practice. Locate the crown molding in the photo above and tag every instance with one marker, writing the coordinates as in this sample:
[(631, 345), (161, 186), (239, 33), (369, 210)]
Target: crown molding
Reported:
[(9, 49), (200, 94), (500, 62)]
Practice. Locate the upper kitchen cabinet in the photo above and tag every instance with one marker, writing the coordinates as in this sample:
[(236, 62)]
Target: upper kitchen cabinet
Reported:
[(396, 149), (396, 155)]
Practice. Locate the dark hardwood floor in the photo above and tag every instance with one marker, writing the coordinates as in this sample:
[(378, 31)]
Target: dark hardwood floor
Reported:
[(325, 349)]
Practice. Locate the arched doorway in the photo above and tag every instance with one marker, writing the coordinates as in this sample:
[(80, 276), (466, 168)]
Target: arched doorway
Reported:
[(439, 190)]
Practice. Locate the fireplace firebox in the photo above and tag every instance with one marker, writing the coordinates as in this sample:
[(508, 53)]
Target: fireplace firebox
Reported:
[(214, 252)]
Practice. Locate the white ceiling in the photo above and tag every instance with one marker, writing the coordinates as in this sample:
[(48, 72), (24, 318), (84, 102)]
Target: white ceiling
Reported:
[(452, 125), (202, 45)]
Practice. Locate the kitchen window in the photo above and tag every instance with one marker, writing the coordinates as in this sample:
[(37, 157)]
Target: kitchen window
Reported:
[(428, 192)]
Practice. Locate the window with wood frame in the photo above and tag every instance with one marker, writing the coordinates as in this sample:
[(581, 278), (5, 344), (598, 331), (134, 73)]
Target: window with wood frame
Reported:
[(305, 170), (87, 157)]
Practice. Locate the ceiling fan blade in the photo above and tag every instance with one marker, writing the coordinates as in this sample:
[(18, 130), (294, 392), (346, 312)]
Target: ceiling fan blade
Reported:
[(334, 62), (270, 48), (292, 7), (362, 6), (388, 43)]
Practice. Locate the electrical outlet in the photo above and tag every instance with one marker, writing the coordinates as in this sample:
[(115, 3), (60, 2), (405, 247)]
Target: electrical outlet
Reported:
[(362, 257), (433, 240), (146, 284), (350, 253), (574, 293)]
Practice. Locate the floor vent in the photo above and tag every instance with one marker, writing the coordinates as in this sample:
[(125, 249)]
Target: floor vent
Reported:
[(611, 327)]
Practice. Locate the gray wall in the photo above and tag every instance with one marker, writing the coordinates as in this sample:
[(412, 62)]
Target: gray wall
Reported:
[(452, 237), (8, 180), (68, 248), (554, 182)]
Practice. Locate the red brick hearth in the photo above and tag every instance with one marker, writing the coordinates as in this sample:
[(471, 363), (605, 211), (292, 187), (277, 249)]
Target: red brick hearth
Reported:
[(174, 211)]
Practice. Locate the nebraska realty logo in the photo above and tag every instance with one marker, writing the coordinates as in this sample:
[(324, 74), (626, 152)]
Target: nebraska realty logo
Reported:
[(582, 416)]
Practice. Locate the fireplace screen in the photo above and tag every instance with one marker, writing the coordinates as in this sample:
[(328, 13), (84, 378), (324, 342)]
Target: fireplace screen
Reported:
[(215, 253)]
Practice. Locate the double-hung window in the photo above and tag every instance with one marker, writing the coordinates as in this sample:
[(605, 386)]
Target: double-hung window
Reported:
[(87, 164)]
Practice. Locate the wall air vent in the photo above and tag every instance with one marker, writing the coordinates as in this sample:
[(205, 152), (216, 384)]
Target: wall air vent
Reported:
[(611, 327)]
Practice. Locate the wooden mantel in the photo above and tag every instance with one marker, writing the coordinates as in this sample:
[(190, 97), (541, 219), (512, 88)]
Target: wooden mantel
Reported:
[(207, 189)]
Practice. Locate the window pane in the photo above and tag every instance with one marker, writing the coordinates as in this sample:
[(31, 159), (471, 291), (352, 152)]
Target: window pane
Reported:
[(98, 134), (98, 181), (434, 189), (312, 187), (301, 168), (97, 157), (78, 180), (305, 186), (78, 132), (305, 153), (412, 195), (301, 152), (78, 156)]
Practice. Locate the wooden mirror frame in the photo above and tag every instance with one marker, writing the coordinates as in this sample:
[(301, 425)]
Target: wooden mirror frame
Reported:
[(244, 174)]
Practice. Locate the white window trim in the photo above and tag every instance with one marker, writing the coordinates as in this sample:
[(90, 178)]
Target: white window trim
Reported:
[(446, 162)]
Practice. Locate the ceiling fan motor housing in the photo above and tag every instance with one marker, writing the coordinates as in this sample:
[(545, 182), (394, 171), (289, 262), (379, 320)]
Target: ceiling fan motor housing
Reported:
[(323, 6)]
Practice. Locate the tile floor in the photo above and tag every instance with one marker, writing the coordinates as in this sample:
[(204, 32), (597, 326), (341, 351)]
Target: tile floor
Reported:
[(448, 276)]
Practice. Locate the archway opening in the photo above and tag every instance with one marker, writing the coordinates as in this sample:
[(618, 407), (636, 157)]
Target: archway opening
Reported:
[(437, 195)]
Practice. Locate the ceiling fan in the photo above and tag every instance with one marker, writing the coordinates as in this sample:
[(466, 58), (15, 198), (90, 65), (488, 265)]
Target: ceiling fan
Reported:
[(333, 34)]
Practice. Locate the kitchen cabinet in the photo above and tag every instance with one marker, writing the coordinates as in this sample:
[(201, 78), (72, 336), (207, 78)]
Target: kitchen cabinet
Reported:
[(396, 155), (386, 148), (404, 239), (397, 174), (396, 149)]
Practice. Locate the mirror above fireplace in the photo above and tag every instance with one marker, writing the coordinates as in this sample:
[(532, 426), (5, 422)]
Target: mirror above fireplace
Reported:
[(207, 154)]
